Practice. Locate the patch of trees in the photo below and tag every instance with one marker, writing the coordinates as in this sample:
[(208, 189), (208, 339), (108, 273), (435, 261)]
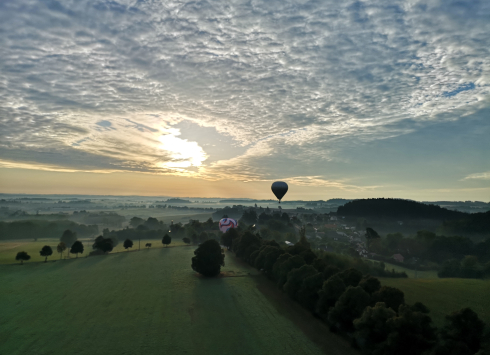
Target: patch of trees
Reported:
[(397, 208), (43, 229), (235, 212), (105, 218), (150, 224), (340, 290)]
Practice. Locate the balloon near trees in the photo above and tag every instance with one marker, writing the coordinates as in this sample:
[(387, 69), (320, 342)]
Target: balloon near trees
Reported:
[(227, 223), (279, 188)]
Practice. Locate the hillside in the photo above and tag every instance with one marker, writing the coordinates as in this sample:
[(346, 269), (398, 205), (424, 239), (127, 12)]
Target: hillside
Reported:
[(397, 208)]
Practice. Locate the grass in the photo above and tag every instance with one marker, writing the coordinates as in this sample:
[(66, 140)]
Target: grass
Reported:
[(9, 249), (431, 274), (444, 296), (151, 302)]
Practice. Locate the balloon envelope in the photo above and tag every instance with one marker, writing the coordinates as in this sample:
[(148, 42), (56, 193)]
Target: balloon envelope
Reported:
[(279, 188), (227, 223)]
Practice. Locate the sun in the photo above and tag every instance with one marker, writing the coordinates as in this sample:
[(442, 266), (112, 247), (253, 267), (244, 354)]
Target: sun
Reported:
[(184, 154)]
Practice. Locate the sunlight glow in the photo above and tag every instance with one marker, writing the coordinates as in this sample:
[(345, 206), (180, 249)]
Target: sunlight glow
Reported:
[(185, 154)]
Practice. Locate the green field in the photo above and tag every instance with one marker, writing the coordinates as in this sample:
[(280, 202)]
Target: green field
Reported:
[(151, 302), (9, 249), (416, 274), (444, 296)]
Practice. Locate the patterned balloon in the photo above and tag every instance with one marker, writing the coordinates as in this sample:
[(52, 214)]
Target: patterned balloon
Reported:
[(227, 223)]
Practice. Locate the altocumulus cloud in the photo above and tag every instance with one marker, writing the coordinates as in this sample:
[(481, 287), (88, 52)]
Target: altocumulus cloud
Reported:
[(98, 85)]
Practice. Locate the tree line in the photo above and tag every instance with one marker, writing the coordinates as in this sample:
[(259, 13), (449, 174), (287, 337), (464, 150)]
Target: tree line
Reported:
[(43, 229), (100, 246), (457, 256), (354, 302)]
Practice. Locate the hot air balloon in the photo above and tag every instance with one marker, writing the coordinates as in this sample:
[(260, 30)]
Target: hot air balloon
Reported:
[(279, 188), (227, 223)]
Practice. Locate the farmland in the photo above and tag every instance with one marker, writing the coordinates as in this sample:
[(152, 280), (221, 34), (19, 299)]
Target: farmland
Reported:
[(151, 302), (444, 296), (9, 249)]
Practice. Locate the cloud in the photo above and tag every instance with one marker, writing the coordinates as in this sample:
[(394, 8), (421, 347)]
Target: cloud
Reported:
[(478, 176), (292, 83)]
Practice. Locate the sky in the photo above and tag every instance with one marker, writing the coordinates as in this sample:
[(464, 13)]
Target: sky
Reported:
[(340, 99)]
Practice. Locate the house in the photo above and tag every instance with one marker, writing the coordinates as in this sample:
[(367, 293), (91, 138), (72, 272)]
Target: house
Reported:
[(398, 257)]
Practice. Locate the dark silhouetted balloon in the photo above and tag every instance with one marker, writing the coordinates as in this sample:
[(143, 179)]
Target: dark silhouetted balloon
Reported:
[(279, 188)]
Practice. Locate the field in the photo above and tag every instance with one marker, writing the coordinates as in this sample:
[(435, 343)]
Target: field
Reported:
[(151, 302), (9, 249), (444, 296), (416, 274)]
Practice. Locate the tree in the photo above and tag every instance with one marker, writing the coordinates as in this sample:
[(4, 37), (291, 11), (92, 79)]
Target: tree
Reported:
[(329, 271), (302, 238), (46, 251), (208, 259), (203, 237), (136, 221), (371, 233), (228, 237), (22, 255), (68, 238), (267, 257), (294, 262), (186, 240), (370, 284), (391, 296), (331, 291), (128, 243), (246, 244), (351, 277), (372, 327), (464, 327), (103, 244), (350, 306), (76, 248), (308, 292), (450, 268), (296, 277), (61, 248), (411, 332), (166, 240)]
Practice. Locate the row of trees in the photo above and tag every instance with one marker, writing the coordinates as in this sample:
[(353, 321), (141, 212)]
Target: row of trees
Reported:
[(101, 246), (356, 303)]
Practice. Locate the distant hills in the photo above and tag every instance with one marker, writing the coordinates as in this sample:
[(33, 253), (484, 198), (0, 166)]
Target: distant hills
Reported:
[(397, 208), (453, 222)]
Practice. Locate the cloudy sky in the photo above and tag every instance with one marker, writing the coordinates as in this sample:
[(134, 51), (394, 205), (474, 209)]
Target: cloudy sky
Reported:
[(220, 98)]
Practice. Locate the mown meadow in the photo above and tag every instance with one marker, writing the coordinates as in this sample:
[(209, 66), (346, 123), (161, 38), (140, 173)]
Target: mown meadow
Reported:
[(9, 249), (151, 302), (443, 296)]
